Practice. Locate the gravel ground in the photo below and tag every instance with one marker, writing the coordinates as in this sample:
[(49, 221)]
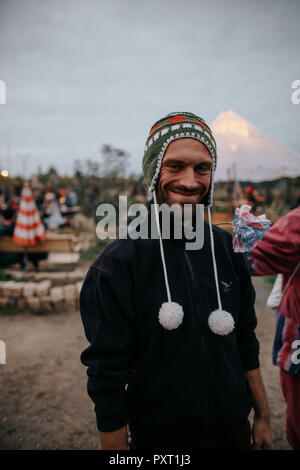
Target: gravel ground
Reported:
[(44, 404)]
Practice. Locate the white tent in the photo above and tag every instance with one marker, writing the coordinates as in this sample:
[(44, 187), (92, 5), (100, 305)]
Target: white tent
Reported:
[(246, 154)]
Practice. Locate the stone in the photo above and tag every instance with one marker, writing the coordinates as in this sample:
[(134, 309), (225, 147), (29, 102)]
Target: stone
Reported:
[(56, 294), (60, 276), (79, 286), (7, 288), (17, 289), (63, 258), (42, 288), (75, 275), (70, 292), (44, 275), (29, 289)]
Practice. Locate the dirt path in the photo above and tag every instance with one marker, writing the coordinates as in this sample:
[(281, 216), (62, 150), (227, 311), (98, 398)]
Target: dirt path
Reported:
[(44, 404)]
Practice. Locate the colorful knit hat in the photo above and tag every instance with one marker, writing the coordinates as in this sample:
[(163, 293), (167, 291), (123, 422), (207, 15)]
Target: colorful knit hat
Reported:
[(163, 132)]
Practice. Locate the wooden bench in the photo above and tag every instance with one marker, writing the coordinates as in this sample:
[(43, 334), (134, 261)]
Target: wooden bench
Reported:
[(52, 243), (56, 243)]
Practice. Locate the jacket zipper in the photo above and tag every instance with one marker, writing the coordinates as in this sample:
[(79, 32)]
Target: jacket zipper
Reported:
[(202, 338), (194, 287)]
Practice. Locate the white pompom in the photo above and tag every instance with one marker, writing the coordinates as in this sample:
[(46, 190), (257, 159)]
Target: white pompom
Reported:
[(170, 315), (221, 322)]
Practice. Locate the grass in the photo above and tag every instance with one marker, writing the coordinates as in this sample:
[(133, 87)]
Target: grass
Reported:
[(270, 279)]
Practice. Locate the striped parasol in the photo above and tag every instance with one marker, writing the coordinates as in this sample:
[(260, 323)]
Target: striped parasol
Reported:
[(29, 228)]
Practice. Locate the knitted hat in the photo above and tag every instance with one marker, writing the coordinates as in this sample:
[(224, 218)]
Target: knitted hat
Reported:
[(163, 132)]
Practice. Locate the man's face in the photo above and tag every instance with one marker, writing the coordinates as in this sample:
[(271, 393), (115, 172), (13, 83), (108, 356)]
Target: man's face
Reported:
[(185, 173)]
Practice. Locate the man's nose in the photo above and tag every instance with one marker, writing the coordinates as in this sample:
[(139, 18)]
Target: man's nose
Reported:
[(189, 179)]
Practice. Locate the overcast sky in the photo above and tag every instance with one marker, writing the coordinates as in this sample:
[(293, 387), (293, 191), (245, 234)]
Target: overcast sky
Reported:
[(81, 73)]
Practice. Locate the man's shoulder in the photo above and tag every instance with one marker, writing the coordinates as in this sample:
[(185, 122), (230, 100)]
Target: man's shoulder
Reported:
[(118, 250), (115, 263), (220, 234), (121, 253)]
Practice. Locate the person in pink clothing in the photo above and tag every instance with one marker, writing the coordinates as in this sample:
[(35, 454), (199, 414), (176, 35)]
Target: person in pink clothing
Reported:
[(279, 252)]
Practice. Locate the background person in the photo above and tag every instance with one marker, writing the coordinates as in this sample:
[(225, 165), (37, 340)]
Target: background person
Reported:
[(279, 252)]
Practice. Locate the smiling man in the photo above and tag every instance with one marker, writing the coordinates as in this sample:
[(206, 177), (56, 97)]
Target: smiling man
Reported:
[(185, 173), (173, 352)]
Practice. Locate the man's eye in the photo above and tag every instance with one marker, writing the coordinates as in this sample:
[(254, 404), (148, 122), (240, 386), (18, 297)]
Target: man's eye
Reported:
[(174, 165), (204, 169)]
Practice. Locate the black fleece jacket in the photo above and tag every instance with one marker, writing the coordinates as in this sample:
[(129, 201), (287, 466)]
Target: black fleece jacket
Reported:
[(160, 380)]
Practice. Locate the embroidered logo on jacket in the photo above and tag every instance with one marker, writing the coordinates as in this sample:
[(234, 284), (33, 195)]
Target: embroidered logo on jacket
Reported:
[(226, 286)]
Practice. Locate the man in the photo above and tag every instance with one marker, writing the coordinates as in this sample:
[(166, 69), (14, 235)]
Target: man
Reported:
[(279, 252), (164, 357)]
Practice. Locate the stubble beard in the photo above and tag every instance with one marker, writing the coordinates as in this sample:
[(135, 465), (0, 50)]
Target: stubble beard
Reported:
[(188, 214), (162, 197)]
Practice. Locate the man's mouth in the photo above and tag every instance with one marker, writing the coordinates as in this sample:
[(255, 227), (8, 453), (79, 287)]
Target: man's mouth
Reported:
[(184, 193)]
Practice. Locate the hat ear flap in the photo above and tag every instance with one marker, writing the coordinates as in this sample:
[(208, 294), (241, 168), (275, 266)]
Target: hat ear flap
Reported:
[(208, 198)]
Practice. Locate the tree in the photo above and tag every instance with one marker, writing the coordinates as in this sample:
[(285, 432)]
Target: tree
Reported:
[(114, 161), (78, 168), (92, 168)]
